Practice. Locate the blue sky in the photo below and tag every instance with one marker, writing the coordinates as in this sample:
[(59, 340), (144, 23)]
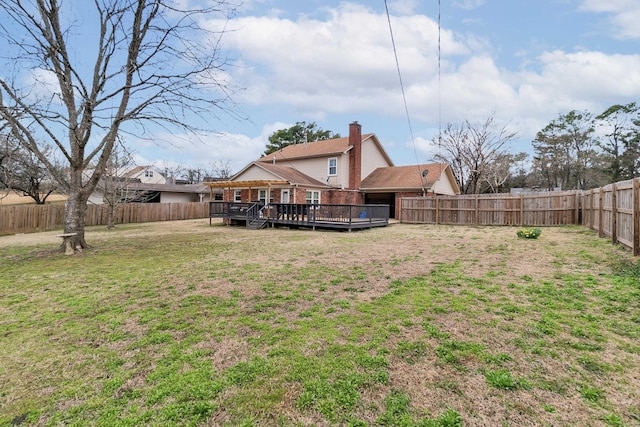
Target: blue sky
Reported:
[(331, 62)]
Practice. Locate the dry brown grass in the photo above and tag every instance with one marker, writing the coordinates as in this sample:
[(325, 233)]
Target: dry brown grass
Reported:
[(376, 289), (19, 199)]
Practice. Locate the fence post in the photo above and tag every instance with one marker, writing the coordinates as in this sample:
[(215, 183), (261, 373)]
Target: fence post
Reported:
[(600, 212), (576, 216), (437, 209), (614, 213), (475, 219), (591, 196), (521, 209), (636, 217)]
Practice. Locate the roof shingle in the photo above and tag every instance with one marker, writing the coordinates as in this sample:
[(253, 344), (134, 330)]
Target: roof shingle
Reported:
[(312, 149), (403, 177)]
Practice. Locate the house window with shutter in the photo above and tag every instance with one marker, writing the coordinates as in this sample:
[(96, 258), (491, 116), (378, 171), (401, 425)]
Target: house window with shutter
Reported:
[(333, 166)]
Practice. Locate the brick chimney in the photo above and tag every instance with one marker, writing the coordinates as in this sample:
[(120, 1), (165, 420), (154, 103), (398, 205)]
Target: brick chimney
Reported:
[(355, 155)]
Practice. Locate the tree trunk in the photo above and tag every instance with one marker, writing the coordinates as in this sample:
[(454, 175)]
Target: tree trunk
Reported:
[(74, 219), (110, 216)]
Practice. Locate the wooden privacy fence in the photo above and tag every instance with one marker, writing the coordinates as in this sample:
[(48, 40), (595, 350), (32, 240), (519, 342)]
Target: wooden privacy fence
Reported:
[(32, 218), (614, 211), (533, 209)]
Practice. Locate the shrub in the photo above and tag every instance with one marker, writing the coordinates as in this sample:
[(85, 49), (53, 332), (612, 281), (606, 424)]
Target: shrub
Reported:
[(529, 233)]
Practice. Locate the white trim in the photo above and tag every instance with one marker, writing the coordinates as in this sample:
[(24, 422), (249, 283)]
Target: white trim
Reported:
[(335, 166), (315, 197)]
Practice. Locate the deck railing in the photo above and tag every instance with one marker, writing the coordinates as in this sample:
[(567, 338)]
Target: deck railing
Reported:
[(303, 214), (229, 209), (328, 212)]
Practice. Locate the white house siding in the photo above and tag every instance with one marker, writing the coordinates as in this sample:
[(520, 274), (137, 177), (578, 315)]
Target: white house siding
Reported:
[(342, 180), (443, 186), (372, 158), (318, 168), (166, 197), (95, 198), (157, 177), (256, 173)]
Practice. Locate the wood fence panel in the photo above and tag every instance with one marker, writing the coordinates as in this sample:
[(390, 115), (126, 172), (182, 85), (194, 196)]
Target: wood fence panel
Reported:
[(33, 218), (624, 213), (534, 209)]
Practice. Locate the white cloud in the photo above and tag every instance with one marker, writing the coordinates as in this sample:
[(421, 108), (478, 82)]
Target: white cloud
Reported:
[(343, 63), (403, 7), (202, 150), (42, 84), (339, 64), (624, 15), (468, 4)]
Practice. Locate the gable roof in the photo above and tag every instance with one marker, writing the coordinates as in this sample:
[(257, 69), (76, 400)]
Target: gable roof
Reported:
[(324, 148), (136, 170), (406, 177), (282, 175), (169, 188), (288, 173)]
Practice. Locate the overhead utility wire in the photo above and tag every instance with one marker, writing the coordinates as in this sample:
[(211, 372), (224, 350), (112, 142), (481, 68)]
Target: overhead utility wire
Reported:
[(439, 86), (404, 97)]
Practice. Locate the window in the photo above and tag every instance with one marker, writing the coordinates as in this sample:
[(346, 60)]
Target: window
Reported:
[(333, 166), (285, 196), (313, 197), (148, 174), (262, 196), (237, 196)]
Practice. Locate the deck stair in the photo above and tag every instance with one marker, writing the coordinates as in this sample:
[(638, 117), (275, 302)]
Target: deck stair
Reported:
[(256, 219)]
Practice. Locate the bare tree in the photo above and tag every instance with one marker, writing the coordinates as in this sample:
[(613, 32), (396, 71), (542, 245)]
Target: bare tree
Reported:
[(6, 173), (115, 185), (153, 63), (470, 149), (498, 172), (221, 169), (22, 172)]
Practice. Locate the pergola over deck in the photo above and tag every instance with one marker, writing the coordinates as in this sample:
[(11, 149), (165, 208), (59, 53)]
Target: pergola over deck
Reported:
[(257, 183)]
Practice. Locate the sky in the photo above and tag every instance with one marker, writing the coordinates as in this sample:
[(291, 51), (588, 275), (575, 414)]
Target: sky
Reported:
[(522, 62)]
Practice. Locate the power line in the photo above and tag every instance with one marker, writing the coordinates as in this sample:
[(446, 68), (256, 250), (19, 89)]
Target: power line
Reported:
[(404, 97), (439, 86)]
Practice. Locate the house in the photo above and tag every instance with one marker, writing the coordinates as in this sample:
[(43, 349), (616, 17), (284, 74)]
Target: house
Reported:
[(145, 174), (389, 184), (350, 170)]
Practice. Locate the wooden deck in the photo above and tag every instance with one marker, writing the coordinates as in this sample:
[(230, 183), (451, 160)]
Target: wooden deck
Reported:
[(296, 215)]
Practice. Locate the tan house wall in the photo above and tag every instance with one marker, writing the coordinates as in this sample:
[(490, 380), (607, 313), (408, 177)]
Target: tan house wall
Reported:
[(255, 173), (318, 168), (372, 158), (166, 197), (443, 186), (157, 177)]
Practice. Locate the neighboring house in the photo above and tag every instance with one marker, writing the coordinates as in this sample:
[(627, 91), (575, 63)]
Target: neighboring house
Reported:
[(146, 175), (137, 192), (351, 170)]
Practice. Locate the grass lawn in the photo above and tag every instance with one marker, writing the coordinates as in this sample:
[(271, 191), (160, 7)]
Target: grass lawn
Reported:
[(183, 323)]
